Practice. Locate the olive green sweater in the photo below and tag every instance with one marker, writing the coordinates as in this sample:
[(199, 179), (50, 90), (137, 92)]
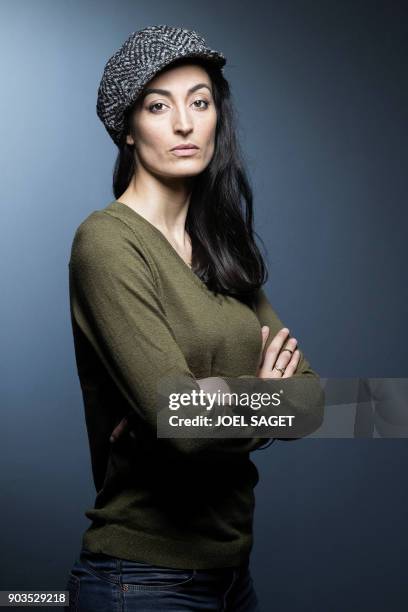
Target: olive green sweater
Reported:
[(139, 314)]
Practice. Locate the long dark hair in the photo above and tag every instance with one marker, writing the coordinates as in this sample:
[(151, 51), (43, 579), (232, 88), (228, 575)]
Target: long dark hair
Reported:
[(219, 220)]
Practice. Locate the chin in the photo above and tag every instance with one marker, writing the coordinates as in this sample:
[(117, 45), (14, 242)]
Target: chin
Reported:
[(187, 170)]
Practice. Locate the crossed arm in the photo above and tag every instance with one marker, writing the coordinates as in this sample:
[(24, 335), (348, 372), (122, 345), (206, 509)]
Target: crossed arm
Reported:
[(115, 301)]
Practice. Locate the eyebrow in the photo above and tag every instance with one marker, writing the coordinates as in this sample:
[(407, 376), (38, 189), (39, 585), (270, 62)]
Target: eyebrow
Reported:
[(166, 92)]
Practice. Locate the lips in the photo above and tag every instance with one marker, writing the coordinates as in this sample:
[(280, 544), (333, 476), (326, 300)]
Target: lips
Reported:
[(184, 146)]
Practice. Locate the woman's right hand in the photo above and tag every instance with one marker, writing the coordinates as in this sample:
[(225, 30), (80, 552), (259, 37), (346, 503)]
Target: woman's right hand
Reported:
[(277, 355)]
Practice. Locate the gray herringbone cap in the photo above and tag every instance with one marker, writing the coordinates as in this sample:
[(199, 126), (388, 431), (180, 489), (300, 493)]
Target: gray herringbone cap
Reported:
[(140, 57)]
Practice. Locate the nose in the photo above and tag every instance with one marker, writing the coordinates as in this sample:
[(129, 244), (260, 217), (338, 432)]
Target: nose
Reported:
[(182, 122)]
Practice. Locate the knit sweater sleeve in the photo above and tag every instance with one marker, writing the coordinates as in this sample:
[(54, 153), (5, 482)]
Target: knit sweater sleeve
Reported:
[(115, 300)]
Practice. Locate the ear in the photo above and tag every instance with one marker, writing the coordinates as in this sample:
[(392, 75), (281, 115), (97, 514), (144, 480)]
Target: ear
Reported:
[(129, 140)]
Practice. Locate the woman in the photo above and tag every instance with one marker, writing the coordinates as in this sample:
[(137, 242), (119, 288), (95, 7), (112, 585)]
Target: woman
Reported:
[(165, 282)]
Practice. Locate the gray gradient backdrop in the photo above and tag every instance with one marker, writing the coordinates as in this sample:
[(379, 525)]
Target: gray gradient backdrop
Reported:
[(321, 90)]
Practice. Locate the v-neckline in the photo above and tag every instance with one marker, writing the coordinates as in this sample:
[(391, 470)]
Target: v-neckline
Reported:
[(118, 205)]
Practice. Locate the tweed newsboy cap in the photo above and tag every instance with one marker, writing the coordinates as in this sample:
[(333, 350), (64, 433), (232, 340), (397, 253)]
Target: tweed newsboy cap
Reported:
[(140, 57)]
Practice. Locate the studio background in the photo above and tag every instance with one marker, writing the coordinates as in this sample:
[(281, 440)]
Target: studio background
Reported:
[(321, 92)]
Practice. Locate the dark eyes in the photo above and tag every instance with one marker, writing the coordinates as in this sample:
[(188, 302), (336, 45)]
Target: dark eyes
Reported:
[(154, 106)]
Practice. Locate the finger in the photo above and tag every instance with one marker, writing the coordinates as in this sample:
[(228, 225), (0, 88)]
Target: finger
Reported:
[(274, 348), (282, 361), (292, 365), (264, 335), (119, 429), (287, 352), (285, 357)]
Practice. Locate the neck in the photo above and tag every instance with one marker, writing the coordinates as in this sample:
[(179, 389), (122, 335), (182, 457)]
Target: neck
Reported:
[(162, 201)]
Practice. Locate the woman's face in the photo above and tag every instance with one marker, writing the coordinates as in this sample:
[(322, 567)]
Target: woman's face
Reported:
[(182, 112)]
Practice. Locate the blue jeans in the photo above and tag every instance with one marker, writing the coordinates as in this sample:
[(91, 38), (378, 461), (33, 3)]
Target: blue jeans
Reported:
[(100, 583)]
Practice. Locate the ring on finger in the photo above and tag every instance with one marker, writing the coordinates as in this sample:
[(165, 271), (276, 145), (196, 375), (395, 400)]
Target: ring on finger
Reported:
[(280, 369), (286, 349)]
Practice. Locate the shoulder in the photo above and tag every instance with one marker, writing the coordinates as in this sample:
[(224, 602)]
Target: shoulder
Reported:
[(104, 238), (101, 232)]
